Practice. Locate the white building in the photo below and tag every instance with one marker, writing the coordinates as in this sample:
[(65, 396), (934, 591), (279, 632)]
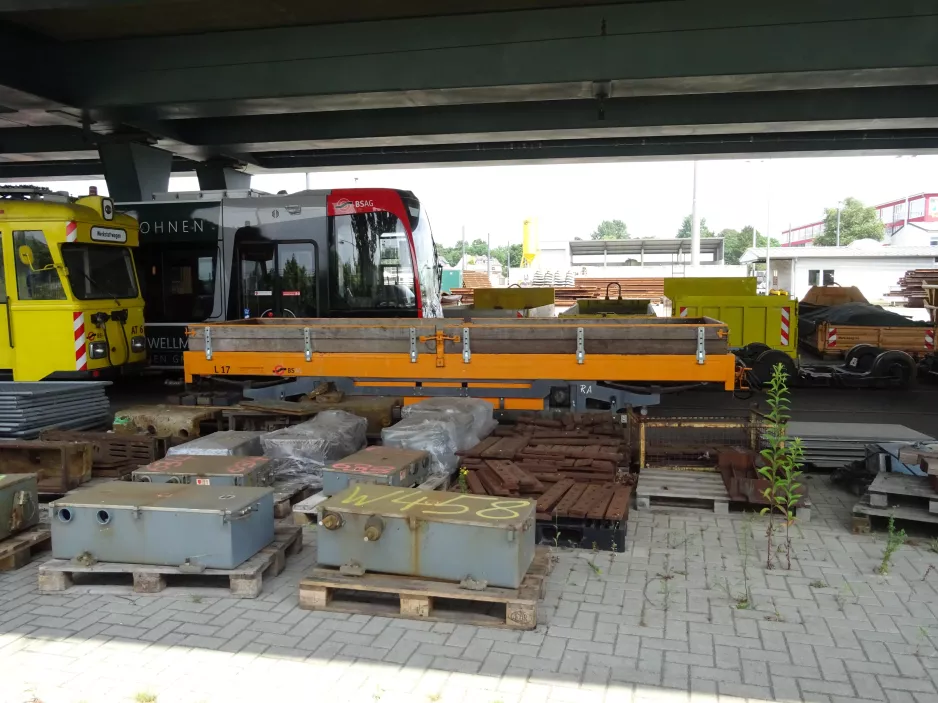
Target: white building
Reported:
[(628, 258), (875, 270)]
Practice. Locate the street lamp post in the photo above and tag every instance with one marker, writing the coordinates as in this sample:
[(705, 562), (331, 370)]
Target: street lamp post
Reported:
[(839, 206), (694, 226)]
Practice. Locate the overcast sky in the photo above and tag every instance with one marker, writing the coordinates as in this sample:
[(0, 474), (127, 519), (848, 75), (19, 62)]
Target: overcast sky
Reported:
[(652, 198)]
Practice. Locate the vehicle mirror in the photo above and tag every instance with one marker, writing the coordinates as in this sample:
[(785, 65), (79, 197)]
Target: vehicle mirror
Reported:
[(26, 255)]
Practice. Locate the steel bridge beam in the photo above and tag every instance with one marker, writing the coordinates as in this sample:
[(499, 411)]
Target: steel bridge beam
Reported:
[(657, 79), (676, 46), (552, 151), (788, 111), (640, 149)]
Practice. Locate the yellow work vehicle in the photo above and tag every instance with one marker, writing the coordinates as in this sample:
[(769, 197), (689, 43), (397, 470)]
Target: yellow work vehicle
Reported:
[(70, 307)]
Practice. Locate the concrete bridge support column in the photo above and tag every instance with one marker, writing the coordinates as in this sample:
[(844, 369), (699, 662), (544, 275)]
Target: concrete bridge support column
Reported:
[(220, 176), (134, 172)]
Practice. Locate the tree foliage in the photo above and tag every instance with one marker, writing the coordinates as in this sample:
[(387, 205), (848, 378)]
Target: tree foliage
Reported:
[(611, 229), (857, 221), (478, 247), (684, 231), (735, 243)]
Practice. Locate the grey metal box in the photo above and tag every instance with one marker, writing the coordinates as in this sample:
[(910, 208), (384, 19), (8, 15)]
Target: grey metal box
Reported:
[(388, 466), (207, 470), (224, 443), (166, 524), (19, 503), (431, 534)]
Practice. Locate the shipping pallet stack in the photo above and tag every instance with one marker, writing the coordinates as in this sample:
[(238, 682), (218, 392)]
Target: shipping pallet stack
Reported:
[(901, 496), (575, 467)]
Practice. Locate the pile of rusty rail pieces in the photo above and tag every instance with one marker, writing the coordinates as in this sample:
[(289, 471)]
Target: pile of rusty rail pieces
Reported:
[(575, 466)]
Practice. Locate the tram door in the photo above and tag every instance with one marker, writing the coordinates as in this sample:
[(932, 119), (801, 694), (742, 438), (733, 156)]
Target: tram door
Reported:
[(278, 279)]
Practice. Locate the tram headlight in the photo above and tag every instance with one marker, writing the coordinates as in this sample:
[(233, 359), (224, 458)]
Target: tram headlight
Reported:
[(97, 350), (138, 344)]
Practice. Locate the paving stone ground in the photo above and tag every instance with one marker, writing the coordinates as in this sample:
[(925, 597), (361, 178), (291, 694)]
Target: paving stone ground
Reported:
[(662, 622)]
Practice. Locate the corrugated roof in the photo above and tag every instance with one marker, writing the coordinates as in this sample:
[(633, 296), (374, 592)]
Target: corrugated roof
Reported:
[(651, 245), (758, 255)]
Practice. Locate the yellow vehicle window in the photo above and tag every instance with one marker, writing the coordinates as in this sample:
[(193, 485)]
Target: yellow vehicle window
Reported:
[(99, 271), (36, 279)]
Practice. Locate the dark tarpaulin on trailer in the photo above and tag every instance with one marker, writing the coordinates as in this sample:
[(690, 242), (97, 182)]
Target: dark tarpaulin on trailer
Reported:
[(860, 314)]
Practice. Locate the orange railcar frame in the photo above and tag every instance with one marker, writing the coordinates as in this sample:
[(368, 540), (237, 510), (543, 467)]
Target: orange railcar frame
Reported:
[(444, 367)]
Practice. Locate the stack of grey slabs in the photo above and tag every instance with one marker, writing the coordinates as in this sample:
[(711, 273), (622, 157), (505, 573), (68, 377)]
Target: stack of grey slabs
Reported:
[(830, 445), (224, 443), (26, 408)]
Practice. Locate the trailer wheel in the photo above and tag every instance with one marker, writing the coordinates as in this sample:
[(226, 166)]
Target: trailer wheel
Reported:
[(860, 357), (895, 366), (764, 364), (756, 348), (749, 353)]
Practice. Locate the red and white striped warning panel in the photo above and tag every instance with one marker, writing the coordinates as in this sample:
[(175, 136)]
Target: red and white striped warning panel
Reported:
[(832, 337), (81, 354), (786, 321), (683, 312), (930, 340), (71, 231)]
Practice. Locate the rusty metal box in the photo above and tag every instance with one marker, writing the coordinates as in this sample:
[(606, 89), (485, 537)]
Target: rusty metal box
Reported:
[(203, 470), (430, 534), (19, 503), (388, 466), (58, 466), (214, 527)]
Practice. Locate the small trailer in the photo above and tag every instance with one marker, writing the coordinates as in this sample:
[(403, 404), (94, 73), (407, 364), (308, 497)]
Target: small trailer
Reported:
[(835, 321), (834, 339)]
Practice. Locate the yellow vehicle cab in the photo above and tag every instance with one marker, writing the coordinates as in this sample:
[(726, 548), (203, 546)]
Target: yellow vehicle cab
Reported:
[(70, 306)]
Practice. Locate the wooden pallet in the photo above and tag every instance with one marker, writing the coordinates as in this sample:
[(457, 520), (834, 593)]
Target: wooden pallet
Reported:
[(289, 493), (244, 581), (425, 599), (898, 496), (17, 551), (690, 489), (899, 490)]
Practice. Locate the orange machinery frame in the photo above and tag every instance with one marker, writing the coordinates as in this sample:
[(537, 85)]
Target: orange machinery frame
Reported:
[(444, 367)]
